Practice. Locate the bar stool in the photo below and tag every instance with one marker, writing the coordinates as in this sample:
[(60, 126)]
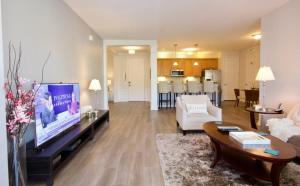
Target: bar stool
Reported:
[(194, 87), (178, 89), (209, 90), (164, 88)]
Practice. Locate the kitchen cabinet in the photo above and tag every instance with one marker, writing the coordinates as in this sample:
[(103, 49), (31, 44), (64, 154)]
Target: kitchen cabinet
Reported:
[(167, 67), (164, 66)]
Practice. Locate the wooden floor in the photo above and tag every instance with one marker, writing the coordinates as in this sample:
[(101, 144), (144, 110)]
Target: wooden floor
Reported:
[(124, 151)]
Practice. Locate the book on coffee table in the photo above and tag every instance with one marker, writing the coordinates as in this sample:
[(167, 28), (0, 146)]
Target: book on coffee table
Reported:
[(249, 139), (227, 129)]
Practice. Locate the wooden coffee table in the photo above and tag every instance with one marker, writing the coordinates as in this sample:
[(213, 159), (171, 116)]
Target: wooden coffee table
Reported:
[(253, 162)]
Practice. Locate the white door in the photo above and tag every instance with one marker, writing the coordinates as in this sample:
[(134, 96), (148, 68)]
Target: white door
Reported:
[(230, 74), (129, 75), (136, 79), (120, 78), (252, 66)]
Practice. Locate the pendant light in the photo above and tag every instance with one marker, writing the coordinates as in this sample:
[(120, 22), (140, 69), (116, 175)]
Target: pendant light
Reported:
[(196, 49), (175, 62)]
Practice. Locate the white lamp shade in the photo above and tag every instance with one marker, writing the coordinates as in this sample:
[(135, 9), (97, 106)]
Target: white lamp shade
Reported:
[(95, 85), (265, 74)]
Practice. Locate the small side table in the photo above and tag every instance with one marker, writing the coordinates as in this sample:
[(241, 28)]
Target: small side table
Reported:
[(252, 112)]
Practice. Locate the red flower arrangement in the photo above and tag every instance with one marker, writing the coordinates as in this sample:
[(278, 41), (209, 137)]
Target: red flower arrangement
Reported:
[(19, 111), (19, 106), (19, 101)]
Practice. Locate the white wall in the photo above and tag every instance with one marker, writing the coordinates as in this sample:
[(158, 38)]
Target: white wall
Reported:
[(50, 25), (153, 66), (3, 137), (280, 49)]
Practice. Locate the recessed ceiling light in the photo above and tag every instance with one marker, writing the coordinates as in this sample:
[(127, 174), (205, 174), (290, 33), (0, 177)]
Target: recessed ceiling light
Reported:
[(256, 36), (131, 51), (132, 47)]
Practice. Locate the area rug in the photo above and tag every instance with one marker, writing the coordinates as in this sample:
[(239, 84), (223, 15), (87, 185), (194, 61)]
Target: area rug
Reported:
[(185, 161)]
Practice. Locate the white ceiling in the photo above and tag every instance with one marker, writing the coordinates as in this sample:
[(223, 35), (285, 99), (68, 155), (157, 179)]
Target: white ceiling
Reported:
[(214, 24)]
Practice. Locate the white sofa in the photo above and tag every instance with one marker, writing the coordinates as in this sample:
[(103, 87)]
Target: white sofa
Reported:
[(287, 129), (194, 121)]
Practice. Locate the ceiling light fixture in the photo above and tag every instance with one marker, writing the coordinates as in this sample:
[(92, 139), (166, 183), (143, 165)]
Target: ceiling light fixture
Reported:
[(132, 47), (256, 36)]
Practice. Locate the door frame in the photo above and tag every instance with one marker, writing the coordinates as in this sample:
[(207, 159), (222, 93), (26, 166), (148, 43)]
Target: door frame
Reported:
[(153, 67)]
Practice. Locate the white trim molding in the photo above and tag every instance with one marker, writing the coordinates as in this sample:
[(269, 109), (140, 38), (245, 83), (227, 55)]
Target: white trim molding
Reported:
[(153, 66)]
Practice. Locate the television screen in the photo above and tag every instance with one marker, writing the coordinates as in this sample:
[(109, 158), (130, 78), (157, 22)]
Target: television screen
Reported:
[(57, 108)]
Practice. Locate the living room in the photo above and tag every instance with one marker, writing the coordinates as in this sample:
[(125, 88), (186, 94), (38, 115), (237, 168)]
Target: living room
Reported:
[(66, 43)]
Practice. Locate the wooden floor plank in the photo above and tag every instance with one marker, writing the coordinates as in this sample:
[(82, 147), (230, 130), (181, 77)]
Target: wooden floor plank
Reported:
[(124, 151)]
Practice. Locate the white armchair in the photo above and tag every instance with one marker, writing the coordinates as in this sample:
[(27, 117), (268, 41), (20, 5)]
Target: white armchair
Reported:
[(194, 121)]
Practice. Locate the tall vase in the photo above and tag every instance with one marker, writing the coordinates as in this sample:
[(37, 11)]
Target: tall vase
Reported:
[(18, 171)]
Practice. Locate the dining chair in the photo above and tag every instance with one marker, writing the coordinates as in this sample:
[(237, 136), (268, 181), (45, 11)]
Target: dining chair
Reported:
[(251, 97), (237, 97)]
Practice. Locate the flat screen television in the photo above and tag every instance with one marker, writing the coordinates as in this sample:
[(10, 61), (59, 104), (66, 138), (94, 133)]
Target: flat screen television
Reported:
[(57, 108)]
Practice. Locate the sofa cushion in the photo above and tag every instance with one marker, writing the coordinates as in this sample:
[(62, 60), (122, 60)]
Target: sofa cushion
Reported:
[(283, 128), (196, 121), (295, 141), (196, 108)]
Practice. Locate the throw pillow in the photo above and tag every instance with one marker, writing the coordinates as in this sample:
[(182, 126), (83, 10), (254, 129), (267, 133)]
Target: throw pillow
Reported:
[(196, 108)]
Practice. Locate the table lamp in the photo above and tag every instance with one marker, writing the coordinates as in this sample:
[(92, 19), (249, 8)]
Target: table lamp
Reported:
[(95, 86), (264, 74)]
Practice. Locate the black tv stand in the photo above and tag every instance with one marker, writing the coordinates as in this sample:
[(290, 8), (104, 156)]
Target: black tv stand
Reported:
[(43, 163)]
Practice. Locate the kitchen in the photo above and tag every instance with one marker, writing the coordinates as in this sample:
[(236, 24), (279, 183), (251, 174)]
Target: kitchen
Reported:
[(187, 76)]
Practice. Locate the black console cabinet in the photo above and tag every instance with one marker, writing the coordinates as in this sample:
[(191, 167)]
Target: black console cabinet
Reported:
[(44, 163)]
